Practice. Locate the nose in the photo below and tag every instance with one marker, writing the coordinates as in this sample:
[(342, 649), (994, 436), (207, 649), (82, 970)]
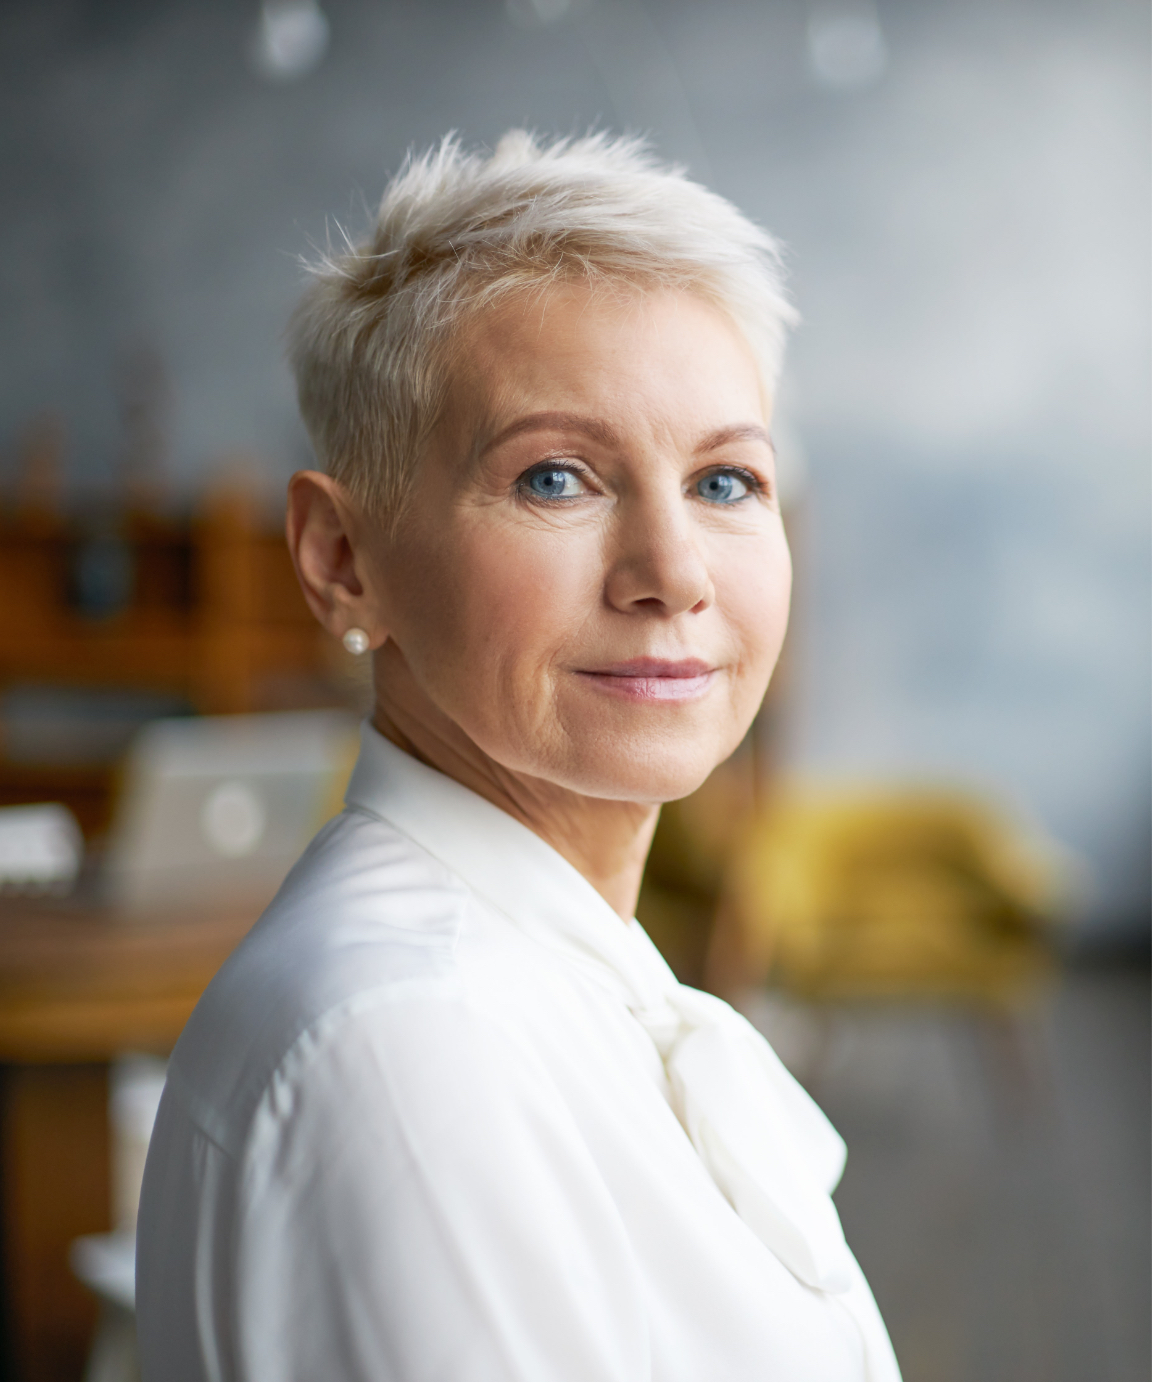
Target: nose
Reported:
[(657, 562)]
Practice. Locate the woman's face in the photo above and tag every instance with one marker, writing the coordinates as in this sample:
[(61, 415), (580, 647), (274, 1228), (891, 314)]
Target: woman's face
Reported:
[(591, 577)]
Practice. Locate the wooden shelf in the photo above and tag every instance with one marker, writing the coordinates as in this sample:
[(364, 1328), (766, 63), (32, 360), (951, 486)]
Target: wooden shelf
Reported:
[(214, 612)]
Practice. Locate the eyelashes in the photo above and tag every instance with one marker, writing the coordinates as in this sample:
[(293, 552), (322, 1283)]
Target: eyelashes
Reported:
[(723, 487), (751, 483)]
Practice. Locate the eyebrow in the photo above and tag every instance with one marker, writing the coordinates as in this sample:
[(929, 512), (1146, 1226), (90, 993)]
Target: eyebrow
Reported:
[(738, 432), (600, 432), (554, 422)]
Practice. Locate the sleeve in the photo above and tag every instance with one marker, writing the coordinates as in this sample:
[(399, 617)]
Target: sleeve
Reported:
[(417, 1202)]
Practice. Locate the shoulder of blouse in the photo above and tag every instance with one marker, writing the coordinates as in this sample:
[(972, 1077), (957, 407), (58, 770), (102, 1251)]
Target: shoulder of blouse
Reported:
[(365, 910)]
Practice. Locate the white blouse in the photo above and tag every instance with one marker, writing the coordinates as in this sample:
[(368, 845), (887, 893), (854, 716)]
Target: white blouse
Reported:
[(444, 1115)]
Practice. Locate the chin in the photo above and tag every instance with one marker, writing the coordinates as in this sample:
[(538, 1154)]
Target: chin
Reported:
[(635, 769), (651, 755)]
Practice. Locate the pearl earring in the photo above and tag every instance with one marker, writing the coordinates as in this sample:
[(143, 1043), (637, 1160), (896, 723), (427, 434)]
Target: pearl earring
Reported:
[(356, 641)]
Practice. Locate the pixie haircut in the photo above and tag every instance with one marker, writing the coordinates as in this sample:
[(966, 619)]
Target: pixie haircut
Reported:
[(457, 233)]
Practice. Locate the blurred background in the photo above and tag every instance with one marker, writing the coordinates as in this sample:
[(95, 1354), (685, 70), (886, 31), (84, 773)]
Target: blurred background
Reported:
[(926, 876)]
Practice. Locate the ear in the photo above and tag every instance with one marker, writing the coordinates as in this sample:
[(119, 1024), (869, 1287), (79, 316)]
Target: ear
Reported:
[(326, 537)]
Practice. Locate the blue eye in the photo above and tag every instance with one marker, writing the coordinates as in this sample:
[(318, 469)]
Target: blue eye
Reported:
[(555, 484), (722, 487)]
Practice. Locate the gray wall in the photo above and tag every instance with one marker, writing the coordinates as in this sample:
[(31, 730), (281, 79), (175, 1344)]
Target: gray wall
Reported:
[(968, 237)]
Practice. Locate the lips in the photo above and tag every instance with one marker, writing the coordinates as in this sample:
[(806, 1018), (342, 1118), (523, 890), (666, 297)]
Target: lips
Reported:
[(653, 679)]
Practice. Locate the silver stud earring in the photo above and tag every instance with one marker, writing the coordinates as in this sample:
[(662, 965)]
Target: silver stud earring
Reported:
[(356, 641)]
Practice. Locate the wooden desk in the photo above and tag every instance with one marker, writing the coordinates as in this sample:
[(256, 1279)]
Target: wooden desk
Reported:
[(76, 988)]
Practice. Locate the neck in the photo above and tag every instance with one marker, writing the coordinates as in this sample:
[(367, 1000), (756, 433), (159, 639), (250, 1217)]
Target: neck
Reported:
[(606, 841)]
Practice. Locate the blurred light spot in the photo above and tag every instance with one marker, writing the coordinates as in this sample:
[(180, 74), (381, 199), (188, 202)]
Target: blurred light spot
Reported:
[(290, 40), (233, 820), (846, 46), (534, 12), (40, 848)]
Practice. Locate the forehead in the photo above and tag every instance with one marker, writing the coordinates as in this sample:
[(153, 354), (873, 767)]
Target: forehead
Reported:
[(657, 357)]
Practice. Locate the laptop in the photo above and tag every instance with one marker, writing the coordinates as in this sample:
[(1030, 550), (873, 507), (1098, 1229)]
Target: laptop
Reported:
[(214, 810)]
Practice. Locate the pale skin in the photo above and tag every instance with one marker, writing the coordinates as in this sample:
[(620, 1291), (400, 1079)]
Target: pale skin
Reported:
[(580, 608)]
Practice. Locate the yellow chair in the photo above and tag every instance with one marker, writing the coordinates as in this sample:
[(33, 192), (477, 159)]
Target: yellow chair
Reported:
[(885, 894)]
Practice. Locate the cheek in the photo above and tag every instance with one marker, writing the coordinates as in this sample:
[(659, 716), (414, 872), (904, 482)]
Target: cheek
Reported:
[(500, 601)]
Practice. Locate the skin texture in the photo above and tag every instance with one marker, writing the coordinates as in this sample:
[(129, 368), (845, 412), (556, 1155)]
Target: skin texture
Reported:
[(567, 619)]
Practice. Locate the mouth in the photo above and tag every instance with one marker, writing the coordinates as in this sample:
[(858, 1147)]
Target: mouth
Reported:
[(652, 679)]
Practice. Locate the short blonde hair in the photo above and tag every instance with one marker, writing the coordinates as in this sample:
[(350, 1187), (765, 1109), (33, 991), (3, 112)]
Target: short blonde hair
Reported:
[(370, 342)]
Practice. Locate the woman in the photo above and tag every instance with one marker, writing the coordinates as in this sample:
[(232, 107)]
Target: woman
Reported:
[(446, 1113)]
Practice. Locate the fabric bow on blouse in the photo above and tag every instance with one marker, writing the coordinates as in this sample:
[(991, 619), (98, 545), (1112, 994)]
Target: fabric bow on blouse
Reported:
[(766, 1144), (742, 1112)]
